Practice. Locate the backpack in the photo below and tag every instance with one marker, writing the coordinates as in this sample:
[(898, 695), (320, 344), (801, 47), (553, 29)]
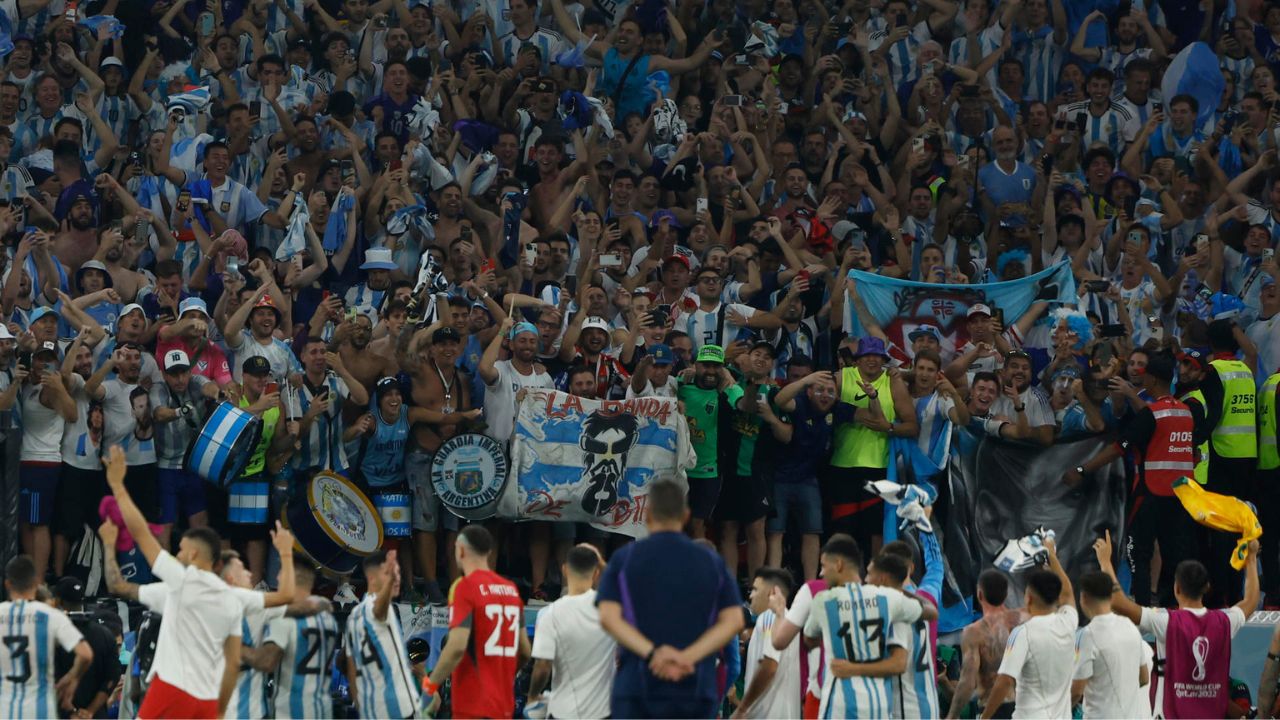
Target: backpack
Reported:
[(85, 561)]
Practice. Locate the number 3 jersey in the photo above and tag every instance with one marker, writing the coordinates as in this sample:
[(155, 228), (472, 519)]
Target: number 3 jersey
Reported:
[(385, 684), (856, 623), (32, 633), (484, 681)]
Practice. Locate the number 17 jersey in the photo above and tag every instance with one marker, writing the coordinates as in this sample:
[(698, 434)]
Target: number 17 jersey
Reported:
[(484, 681), (856, 623)]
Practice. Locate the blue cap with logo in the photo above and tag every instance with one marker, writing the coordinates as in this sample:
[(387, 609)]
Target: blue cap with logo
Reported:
[(662, 355)]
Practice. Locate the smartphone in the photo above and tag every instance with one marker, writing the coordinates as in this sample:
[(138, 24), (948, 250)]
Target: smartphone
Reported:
[(701, 205), (348, 169), (1202, 242), (488, 266), (184, 200), (1046, 163), (610, 260), (1268, 255), (734, 101), (465, 233), (741, 60), (962, 160), (660, 314), (380, 22), (999, 311), (1098, 286), (135, 158), (1111, 330), (917, 145), (24, 359), (1157, 107), (1082, 121), (255, 108), (900, 20), (969, 91), (843, 27), (272, 387), (530, 253), (205, 24), (1102, 354), (233, 266)]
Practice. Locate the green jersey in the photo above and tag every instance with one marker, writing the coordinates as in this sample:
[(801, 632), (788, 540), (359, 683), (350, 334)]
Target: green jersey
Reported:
[(702, 409)]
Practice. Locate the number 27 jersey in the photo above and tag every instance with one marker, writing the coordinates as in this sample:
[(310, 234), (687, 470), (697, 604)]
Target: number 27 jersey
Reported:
[(856, 623), (484, 681)]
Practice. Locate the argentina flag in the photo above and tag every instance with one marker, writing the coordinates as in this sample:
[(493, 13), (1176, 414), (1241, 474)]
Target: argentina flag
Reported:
[(1194, 71)]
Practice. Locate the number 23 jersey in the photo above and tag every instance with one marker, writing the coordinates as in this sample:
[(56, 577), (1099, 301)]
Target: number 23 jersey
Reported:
[(484, 681), (856, 623)]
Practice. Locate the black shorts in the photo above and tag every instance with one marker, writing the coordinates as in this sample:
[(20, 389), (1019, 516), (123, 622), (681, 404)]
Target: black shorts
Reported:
[(849, 507), (703, 493), (743, 499), (143, 484), (79, 494)]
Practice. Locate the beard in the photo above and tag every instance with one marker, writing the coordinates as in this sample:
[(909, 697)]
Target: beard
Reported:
[(79, 224)]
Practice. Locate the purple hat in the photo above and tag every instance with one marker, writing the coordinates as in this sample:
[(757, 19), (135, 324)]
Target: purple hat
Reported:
[(870, 346)]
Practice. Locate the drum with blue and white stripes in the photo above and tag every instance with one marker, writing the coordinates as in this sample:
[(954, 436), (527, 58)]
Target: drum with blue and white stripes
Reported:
[(393, 508), (224, 444)]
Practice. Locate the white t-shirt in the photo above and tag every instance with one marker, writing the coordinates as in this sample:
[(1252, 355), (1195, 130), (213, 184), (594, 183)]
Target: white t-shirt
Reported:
[(80, 448), (782, 697), (1039, 411), (1155, 621), (1040, 656), (41, 427), (1109, 655), (500, 397), (120, 413), (581, 654), (704, 327), (797, 614), (200, 613)]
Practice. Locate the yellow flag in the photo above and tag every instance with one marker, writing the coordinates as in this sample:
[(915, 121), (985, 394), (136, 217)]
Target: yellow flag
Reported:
[(1220, 512)]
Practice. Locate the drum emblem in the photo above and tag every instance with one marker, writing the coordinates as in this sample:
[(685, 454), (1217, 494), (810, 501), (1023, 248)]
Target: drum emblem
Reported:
[(468, 474), (341, 511)]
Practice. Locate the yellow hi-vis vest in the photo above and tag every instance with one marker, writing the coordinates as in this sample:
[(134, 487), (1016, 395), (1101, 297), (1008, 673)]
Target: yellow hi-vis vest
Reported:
[(1236, 435), (1268, 455), (1202, 450)]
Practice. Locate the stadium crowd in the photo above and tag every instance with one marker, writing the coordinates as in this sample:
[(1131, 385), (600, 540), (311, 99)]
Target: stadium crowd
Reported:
[(377, 226)]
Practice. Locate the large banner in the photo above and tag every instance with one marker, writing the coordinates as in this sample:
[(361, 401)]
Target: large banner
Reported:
[(581, 460), (900, 306), (998, 490)]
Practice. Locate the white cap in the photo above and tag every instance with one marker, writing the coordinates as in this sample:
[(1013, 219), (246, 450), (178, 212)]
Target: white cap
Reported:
[(978, 309), (598, 323), (5, 334), (176, 358), (130, 308)]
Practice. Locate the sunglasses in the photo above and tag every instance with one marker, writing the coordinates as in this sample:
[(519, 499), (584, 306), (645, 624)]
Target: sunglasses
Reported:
[(596, 447)]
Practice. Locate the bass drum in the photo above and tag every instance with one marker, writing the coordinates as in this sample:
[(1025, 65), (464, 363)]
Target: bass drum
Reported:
[(333, 523), (224, 445)]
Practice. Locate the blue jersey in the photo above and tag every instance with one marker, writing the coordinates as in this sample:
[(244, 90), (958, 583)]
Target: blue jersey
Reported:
[(302, 680), (33, 632), (382, 456)]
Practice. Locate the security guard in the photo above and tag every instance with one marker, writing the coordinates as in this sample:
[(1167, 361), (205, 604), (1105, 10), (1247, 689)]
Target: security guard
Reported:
[(1229, 396), (860, 454), (1268, 478), (1192, 366), (1161, 436)]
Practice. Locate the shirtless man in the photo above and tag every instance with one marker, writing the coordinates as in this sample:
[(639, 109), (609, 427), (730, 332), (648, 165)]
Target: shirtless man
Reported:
[(125, 280), (430, 357), (351, 341), (982, 643), (77, 239)]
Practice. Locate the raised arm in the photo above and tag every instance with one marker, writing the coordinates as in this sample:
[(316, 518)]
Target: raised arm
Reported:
[(133, 518)]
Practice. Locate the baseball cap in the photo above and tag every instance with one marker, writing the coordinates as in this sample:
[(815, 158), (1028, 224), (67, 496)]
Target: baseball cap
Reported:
[(1195, 355), (924, 329), (677, 258), (978, 309), (130, 308), (662, 355), (385, 384), (193, 303), (445, 334), (5, 334), (522, 327), (48, 346), (40, 312), (711, 354), (256, 365), (110, 62), (176, 359), (596, 323), (69, 589), (766, 345)]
